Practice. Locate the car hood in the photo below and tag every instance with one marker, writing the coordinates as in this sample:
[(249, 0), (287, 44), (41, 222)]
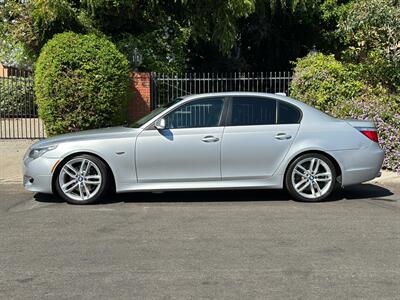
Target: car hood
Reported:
[(93, 134)]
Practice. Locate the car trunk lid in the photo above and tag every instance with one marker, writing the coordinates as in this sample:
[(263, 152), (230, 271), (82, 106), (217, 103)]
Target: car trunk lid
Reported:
[(365, 127)]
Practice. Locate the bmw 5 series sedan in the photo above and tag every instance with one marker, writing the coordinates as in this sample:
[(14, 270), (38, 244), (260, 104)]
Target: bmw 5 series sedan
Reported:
[(210, 141)]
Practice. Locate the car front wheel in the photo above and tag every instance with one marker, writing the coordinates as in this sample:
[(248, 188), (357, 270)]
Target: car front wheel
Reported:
[(82, 179), (311, 178)]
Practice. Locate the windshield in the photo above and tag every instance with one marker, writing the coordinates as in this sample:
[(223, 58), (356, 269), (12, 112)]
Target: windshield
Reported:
[(154, 113)]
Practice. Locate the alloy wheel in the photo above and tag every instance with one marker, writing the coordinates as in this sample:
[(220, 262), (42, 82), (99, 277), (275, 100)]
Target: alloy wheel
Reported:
[(80, 179), (312, 178)]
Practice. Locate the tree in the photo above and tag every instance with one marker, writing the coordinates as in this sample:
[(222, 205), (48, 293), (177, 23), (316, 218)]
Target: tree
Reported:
[(370, 31), (218, 25)]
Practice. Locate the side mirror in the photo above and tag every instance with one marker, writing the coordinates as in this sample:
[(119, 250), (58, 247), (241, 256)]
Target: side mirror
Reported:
[(160, 124)]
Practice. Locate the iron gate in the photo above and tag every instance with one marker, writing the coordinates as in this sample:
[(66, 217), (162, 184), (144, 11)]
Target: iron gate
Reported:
[(166, 87), (18, 112)]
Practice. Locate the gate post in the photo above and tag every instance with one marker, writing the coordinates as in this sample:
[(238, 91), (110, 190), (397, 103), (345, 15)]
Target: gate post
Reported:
[(140, 104)]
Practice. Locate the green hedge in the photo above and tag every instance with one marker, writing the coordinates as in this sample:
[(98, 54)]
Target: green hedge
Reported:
[(81, 82), (334, 87)]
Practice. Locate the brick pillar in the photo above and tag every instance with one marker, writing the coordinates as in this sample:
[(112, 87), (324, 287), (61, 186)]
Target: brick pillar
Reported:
[(3, 71), (140, 104)]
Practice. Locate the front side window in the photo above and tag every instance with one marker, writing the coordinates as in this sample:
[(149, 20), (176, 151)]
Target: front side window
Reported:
[(154, 113), (253, 111), (197, 113)]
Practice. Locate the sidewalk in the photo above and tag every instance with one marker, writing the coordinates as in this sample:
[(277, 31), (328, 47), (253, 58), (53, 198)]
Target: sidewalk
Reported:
[(11, 155), (12, 152)]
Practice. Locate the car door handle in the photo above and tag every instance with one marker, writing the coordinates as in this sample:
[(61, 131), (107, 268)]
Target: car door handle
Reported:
[(210, 139), (283, 136)]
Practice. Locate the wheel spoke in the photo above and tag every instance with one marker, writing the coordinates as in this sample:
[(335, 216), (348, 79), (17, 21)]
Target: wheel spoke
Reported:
[(303, 187), (86, 190), (299, 173), (318, 188), (81, 192), (87, 166), (302, 168), (323, 174), (312, 164), (93, 179), (322, 179), (316, 166), (65, 185), (71, 188), (300, 183), (68, 169), (312, 190), (82, 166)]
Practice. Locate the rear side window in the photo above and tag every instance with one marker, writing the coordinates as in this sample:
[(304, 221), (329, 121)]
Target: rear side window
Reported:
[(288, 114), (253, 111)]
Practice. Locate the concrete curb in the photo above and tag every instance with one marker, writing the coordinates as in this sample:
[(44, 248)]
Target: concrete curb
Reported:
[(387, 177)]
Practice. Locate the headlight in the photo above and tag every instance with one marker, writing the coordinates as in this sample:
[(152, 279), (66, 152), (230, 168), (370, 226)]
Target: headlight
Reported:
[(37, 152)]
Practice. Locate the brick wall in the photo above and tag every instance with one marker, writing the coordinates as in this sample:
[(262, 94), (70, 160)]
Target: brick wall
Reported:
[(140, 104)]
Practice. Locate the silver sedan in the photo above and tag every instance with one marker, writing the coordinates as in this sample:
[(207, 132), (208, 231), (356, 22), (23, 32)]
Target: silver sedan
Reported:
[(210, 141)]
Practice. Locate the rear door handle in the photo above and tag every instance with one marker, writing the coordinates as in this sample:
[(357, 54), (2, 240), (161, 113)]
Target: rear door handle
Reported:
[(283, 136), (210, 139)]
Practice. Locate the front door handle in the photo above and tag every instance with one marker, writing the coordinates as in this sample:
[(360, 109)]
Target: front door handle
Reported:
[(210, 139), (283, 136)]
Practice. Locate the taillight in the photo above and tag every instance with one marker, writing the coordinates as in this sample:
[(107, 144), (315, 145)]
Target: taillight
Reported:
[(371, 134)]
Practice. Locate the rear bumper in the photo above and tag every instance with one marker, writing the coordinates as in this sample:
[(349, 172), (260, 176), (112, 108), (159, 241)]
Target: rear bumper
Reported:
[(359, 165)]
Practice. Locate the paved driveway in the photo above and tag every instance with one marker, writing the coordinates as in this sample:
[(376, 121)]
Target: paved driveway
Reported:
[(201, 245)]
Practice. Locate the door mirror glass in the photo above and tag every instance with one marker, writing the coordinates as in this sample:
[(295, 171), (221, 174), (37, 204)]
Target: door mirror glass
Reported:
[(160, 124)]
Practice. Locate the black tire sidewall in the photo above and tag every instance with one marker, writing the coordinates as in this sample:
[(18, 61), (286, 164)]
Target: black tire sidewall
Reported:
[(288, 178), (104, 186)]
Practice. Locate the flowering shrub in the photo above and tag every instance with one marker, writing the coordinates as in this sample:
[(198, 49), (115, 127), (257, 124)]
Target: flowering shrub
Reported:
[(335, 91)]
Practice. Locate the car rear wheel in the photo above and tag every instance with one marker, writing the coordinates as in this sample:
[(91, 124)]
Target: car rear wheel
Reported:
[(82, 179), (311, 178)]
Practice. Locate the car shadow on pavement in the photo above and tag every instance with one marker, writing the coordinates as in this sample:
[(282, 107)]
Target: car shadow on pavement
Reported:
[(360, 191)]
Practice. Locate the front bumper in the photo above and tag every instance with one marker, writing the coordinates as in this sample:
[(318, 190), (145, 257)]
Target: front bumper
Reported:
[(38, 174)]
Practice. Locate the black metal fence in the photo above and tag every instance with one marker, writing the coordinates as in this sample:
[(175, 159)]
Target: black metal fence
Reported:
[(166, 87), (18, 111)]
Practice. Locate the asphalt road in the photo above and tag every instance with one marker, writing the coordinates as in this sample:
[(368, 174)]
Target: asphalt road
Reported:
[(201, 245)]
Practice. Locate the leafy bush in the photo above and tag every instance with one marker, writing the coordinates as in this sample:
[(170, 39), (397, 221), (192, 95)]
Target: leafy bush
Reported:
[(322, 81), (329, 85), (81, 82), (16, 97)]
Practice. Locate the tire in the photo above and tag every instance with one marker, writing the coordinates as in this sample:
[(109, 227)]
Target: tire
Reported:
[(311, 178), (84, 187)]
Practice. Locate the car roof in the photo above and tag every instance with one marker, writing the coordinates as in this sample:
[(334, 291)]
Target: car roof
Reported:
[(253, 94)]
